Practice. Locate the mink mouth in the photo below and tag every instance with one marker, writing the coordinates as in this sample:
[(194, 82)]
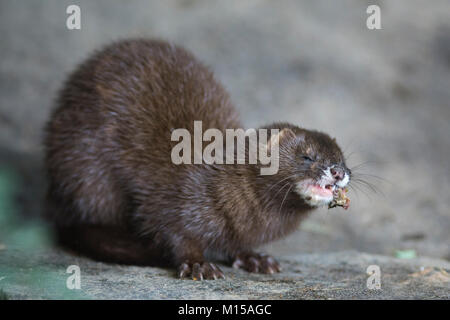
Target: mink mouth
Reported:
[(323, 191), (314, 193)]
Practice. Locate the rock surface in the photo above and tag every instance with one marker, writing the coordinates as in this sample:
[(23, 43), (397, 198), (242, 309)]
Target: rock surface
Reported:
[(342, 275)]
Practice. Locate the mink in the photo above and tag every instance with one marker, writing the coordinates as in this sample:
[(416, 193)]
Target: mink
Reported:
[(115, 195)]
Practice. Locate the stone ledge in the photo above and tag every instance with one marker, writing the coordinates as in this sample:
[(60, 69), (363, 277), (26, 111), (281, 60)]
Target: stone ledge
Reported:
[(341, 275)]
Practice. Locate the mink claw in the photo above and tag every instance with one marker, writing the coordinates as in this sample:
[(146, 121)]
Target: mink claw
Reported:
[(200, 271)]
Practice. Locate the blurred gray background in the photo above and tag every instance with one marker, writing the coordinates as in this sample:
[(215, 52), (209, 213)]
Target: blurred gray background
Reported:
[(384, 94)]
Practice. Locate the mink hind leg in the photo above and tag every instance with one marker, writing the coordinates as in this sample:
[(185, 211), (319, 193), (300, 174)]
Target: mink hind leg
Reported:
[(111, 244)]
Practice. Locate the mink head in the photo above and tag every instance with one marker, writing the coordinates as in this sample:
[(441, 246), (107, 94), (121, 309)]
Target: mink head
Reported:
[(311, 162)]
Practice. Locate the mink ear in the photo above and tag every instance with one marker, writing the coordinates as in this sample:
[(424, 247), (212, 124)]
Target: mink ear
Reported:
[(283, 136)]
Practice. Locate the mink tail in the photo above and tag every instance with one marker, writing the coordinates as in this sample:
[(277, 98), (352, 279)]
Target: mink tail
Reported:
[(111, 244)]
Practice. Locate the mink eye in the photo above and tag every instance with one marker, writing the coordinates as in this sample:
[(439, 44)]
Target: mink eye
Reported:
[(307, 158)]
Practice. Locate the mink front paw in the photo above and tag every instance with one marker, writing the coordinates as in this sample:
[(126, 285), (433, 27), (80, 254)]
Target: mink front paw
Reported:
[(255, 262), (200, 271)]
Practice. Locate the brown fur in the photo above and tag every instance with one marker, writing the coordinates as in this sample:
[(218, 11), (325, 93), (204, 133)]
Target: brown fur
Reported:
[(114, 193)]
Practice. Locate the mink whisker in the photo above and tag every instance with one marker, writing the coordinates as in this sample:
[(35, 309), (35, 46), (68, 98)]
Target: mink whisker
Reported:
[(368, 185), (282, 202), (373, 176)]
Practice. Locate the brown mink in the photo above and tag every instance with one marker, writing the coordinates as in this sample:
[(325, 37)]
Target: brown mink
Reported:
[(115, 195)]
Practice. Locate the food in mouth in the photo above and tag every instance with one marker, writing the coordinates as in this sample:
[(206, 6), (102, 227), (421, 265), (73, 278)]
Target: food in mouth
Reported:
[(340, 199)]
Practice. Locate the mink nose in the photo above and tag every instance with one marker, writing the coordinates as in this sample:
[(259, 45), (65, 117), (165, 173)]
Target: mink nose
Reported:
[(337, 173)]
